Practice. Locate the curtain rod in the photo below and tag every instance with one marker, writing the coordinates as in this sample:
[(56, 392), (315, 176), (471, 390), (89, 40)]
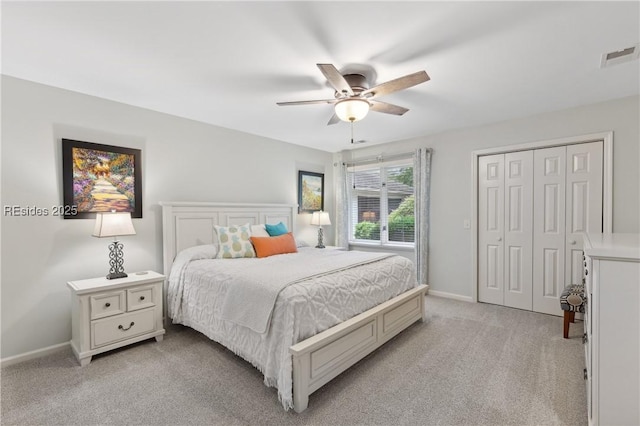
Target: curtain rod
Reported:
[(378, 159)]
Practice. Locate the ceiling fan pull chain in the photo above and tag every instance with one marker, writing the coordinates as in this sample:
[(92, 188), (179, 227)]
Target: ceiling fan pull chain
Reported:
[(352, 131)]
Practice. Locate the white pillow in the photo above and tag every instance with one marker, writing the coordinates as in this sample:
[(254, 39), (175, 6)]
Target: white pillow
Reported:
[(234, 241), (259, 231)]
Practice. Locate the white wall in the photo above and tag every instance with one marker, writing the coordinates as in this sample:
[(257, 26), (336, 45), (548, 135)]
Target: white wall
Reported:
[(182, 160), (450, 261)]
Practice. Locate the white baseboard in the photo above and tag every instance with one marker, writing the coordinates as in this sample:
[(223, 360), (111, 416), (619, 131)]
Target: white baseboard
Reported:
[(450, 295), (33, 354)]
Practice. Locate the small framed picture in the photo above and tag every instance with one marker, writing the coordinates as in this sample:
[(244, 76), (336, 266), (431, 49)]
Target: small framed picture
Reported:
[(310, 192), (100, 178)]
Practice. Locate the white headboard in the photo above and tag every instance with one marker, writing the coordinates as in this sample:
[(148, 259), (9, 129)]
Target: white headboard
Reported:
[(187, 224)]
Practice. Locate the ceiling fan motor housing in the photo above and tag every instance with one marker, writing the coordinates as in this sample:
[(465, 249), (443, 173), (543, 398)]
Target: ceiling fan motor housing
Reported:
[(357, 82)]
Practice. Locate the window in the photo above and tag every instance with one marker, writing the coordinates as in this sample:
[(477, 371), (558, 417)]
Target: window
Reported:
[(381, 203)]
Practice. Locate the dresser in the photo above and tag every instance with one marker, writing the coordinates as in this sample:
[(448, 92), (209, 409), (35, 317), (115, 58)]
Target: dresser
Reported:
[(108, 314), (612, 328)]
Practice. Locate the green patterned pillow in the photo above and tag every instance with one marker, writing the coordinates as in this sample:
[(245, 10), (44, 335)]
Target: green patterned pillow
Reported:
[(234, 241)]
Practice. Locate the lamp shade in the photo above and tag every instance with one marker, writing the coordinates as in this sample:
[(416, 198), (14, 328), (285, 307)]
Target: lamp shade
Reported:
[(113, 224), (352, 109), (320, 218)]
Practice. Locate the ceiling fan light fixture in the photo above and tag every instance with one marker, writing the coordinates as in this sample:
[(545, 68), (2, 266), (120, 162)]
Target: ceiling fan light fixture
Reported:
[(351, 110)]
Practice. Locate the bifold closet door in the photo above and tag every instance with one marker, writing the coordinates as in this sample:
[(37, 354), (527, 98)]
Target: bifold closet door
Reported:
[(518, 229), (490, 229), (505, 229), (584, 203), (568, 202), (549, 228)]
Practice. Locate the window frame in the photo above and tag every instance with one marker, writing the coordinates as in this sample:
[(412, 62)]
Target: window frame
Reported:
[(383, 194)]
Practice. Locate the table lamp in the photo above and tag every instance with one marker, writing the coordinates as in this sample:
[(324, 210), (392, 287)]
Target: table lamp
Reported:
[(320, 218), (114, 225)]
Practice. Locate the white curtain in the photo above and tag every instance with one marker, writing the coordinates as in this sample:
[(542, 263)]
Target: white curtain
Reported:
[(422, 187), (342, 207)]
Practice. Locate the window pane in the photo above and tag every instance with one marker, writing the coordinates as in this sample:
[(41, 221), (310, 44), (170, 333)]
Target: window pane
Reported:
[(365, 204), (401, 202), (368, 219)]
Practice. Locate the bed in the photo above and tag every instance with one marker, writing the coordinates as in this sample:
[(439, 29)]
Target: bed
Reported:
[(320, 324)]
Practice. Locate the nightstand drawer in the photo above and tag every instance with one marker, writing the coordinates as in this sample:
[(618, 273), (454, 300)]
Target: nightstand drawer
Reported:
[(140, 298), (111, 330), (107, 304)]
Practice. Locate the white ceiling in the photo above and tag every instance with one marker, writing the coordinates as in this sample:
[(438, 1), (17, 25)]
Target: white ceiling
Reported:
[(228, 63)]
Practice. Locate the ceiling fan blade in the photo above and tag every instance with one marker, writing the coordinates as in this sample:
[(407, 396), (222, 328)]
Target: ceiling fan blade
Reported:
[(336, 79), (387, 108), (333, 120), (391, 86), (318, 101)]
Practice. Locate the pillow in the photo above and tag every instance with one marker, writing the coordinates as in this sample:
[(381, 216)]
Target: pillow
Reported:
[(269, 246), (259, 231), (275, 230), (234, 242)]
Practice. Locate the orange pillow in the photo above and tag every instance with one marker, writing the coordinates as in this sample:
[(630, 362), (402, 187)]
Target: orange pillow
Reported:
[(269, 246)]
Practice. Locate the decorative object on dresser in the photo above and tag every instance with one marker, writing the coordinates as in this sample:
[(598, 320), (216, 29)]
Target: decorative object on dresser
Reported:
[(100, 178), (319, 219), (612, 328), (110, 314), (310, 192), (114, 225), (571, 301)]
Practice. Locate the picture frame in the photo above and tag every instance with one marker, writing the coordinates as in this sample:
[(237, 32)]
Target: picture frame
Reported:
[(100, 178), (310, 192)]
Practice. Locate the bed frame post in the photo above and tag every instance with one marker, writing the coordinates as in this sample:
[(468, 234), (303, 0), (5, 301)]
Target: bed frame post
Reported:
[(301, 374)]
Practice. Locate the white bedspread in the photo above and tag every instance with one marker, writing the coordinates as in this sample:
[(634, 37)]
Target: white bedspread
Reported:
[(198, 287), (251, 299)]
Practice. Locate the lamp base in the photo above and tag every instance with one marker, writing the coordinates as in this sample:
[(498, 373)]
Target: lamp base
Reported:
[(115, 275), (320, 243), (116, 260)]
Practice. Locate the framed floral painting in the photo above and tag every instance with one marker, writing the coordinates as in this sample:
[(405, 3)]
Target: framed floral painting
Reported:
[(310, 192), (100, 178)]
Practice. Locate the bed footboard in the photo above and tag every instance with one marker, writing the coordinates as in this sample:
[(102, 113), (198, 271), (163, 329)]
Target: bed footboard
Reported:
[(322, 357)]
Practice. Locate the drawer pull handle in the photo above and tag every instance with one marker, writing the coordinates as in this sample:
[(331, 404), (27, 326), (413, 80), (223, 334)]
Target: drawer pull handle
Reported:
[(585, 339), (586, 375), (586, 272), (106, 305), (141, 297), (120, 327)]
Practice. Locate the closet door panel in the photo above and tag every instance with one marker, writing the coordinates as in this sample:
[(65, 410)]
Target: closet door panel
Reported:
[(518, 241), (549, 229), (490, 229), (583, 203)]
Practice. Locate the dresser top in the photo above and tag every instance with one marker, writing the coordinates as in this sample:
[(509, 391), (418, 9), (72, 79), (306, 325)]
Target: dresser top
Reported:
[(615, 246)]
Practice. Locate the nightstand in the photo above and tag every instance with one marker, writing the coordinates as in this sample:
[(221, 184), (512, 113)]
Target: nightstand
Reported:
[(108, 314)]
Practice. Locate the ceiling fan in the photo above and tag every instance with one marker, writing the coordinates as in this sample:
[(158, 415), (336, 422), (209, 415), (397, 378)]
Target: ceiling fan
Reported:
[(353, 98)]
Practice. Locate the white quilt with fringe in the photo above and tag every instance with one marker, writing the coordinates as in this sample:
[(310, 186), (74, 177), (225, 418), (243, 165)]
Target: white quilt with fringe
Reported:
[(199, 284)]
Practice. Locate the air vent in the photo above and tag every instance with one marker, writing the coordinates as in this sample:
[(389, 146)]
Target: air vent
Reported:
[(620, 56)]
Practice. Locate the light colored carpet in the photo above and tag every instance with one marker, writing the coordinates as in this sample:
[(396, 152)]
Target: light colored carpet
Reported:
[(468, 364)]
